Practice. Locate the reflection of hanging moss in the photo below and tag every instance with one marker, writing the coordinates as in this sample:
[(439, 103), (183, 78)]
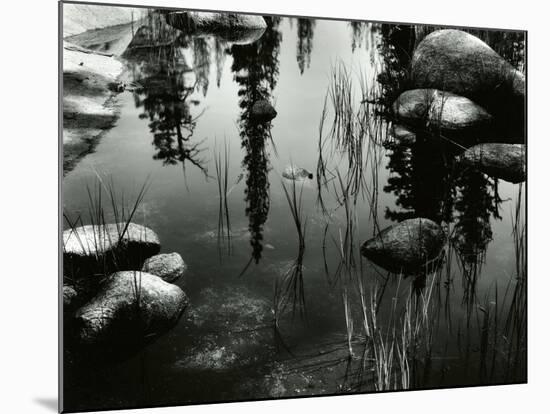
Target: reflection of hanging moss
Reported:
[(256, 68), (304, 46), (220, 55), (357, 33), (201, 52)]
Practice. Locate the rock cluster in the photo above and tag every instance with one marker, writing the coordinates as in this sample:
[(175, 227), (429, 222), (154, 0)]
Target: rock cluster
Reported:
[(128, 305), (463, 89)]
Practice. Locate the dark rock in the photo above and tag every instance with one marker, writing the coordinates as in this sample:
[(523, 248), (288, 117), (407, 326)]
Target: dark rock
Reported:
[(99, 248), (504, 161), (409, 246), (262, 111), (441, 110), (69, 296), (458, 62), (167, 266), (130, 306), (231, 27)]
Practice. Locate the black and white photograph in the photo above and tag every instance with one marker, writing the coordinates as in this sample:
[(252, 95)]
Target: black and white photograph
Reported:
[(264, 206)]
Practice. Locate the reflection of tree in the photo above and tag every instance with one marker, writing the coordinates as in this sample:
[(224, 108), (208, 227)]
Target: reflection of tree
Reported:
[(164, 83), (419, 179), (475, 202), (201, 52), (396, 46), (426, 185), (305, 42), (256, 68)]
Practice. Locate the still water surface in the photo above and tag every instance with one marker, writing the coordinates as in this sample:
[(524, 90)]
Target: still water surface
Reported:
[(225, 346)]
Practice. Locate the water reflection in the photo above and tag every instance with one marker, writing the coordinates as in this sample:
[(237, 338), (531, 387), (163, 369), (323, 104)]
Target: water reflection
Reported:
[(304, 46), (420, 180), (424, 176), (167, 68), (256, 69)]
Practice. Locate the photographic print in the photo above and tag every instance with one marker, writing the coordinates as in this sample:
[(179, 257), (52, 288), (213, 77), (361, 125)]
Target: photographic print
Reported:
[(260, 206)]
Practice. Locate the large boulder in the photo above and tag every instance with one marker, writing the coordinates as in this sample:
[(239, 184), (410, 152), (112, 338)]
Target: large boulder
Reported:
[(103, 248), (504, 161), (232, 27), (456, 61), (440, 110), (262, 111), (167, 266), (130, 306), (407, 247)]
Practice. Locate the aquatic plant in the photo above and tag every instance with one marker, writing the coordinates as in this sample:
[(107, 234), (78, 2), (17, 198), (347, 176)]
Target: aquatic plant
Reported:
[(222, 176), (289, 289)]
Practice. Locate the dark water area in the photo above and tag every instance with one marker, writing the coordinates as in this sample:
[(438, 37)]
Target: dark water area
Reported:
[(185, 110)]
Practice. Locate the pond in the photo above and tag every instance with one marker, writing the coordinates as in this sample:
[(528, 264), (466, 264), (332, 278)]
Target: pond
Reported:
[(278, 291)]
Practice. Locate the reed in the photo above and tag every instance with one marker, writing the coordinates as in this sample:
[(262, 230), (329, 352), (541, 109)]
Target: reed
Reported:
[(221, 162), (289, 288), (100, 213)]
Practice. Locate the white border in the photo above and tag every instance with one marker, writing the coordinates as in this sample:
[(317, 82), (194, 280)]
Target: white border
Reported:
[(29, 208)]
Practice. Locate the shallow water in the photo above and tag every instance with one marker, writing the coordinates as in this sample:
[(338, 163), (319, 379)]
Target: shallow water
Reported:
[(225, 346)]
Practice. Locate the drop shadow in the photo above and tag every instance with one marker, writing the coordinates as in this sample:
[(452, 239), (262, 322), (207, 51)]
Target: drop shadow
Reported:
[(49, 403)]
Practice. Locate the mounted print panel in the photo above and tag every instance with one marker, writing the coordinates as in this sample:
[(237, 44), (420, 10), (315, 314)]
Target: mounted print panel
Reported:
[(260, 207)]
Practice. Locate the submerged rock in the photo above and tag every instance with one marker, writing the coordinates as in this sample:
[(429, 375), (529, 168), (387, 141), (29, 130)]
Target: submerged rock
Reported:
[(98, 247), (232, 27), (167, 266), (504, 161), (228, 328), (262, 111), (407, 246), (296, 173), (456, 61), (130, 306), (445, 110)]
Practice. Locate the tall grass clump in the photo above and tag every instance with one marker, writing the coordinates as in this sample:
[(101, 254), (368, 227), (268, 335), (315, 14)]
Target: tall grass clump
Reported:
[(106, 205)]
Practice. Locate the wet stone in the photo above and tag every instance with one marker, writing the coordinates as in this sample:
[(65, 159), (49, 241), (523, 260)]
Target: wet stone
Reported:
[(458, 62), (90, 248), (167, 266), (406, 247), (439, 109), (130, 306), (504, 161)]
